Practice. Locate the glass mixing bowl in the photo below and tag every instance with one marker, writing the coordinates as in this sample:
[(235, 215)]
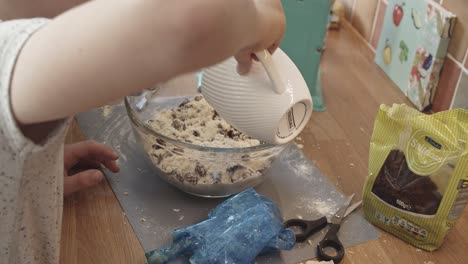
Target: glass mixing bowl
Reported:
[(195, 169)]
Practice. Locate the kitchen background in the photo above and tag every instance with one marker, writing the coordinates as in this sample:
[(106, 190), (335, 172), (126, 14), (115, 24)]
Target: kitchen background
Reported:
[(366, 17)]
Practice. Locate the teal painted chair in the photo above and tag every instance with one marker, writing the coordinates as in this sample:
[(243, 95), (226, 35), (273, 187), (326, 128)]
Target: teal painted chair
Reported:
[(307, 22)]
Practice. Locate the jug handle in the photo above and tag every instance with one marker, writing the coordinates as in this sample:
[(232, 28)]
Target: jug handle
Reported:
[(266, 59)]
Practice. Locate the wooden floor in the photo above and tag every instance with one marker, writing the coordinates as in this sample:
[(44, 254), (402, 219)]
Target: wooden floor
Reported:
[(96, 231)]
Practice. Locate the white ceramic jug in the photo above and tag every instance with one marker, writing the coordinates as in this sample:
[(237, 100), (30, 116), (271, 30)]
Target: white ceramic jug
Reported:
[(271, 103)]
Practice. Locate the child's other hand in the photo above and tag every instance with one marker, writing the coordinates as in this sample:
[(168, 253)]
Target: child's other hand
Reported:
[(269, 31), (86, 154)]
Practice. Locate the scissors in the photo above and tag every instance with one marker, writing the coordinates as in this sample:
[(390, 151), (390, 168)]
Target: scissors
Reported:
[(330, 241)]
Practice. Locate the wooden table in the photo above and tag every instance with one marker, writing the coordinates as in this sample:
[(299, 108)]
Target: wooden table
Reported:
[(95, 230)]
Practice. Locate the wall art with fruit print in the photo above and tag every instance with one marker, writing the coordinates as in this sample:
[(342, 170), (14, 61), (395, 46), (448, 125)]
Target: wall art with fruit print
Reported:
[(412, 46)]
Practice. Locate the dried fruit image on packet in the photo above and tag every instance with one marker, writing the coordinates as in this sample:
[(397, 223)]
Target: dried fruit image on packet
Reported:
[(417, 185)]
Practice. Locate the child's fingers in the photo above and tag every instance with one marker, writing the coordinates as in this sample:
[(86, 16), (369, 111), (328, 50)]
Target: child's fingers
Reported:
[(87, 150), (244, 60), (90, 164), (97, 164), (273, 48), (112, 166), (81, 181)]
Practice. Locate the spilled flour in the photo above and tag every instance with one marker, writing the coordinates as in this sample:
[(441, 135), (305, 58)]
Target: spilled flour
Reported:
[(320, 198), (318, 206), (106, 110)]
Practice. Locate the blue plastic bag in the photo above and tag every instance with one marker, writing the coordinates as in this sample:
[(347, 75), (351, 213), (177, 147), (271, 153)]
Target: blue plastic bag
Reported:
[(236, 231)]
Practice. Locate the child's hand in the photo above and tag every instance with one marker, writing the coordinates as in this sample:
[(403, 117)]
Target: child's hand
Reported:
[(88, 154), (271, 26)]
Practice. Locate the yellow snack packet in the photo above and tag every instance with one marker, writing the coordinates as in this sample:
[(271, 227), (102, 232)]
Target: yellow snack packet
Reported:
[(417, 185)]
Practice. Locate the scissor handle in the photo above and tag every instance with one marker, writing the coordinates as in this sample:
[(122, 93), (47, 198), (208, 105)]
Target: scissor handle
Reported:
[(331, 241), (307, 227)]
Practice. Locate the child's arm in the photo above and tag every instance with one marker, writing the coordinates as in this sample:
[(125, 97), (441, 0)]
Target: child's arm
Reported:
[(105, 50)]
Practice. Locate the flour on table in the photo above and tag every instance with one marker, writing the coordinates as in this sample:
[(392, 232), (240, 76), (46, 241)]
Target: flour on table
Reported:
[(323, 207), (106, 110)]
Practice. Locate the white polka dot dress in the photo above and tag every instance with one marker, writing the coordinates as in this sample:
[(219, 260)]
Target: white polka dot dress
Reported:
[(31, 175)]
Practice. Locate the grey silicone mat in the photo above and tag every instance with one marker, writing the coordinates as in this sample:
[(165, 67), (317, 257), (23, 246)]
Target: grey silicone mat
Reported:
[(154, 208)]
